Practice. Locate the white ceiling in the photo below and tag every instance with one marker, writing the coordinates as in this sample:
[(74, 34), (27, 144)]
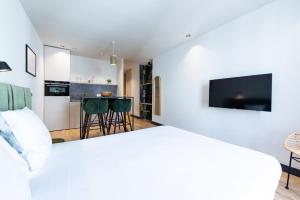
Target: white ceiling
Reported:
[(142, 29)]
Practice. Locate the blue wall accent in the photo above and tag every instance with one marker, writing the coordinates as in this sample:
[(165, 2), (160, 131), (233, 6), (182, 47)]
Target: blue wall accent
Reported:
[(79, 90)]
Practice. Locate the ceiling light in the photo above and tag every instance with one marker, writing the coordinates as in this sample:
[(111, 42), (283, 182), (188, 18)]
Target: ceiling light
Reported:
[(113, 60), (113, 57)]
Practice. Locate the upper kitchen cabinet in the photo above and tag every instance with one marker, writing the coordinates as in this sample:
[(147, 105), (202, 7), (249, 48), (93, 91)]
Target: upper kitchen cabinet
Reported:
[(57, 64)]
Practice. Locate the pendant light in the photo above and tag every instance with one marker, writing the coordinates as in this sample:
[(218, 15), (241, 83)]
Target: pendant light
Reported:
[(113, 57), (4, 67)]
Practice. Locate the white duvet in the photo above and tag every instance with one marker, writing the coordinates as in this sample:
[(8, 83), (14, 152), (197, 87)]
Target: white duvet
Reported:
[(162, 163)]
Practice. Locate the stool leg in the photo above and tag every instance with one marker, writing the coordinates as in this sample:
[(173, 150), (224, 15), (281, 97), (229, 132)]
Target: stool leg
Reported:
[(129, 121), (107, 117), (110, 121), (84, 126), (88, 126), (124, 121), (115, 122), (99, 122), (119, 121), (289, 171), (102, 123)]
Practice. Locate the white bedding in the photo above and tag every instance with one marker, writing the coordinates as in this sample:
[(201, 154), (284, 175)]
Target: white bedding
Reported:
[(162, 163)]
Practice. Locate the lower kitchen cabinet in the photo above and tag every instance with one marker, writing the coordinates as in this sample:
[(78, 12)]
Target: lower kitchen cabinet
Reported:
[(57, 112)]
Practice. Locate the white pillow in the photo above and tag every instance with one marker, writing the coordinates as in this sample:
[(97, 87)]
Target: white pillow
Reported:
[(14, 174), (9, 137), (31, 134)]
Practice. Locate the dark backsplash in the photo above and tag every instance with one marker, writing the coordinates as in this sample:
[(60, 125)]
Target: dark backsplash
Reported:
[(79, 90)]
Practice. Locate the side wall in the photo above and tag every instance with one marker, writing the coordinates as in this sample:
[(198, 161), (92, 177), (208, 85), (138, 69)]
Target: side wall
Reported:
[(263, 41), (16, 32)]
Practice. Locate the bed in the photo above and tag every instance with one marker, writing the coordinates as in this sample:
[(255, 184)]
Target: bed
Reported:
[(156, 164), (162, 163)]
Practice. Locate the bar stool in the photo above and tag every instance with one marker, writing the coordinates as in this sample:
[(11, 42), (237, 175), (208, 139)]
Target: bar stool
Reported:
[(292, 144), (94, 106), (120, 109)]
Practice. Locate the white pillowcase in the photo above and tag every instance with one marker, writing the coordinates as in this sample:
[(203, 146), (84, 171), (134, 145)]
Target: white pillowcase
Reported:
[(14, 174), (31, 134)]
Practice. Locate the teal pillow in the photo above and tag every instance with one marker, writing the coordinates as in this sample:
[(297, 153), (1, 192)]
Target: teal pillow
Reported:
[(8, 136)]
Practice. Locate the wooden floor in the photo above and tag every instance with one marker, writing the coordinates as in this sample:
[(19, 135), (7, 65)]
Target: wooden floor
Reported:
[(74, 134), (293, 193), (281, 194)]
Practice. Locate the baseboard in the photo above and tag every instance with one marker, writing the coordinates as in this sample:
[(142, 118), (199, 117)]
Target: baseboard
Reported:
[(294, 171)]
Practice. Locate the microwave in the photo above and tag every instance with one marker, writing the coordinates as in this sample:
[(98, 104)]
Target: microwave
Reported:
[(57, 88)]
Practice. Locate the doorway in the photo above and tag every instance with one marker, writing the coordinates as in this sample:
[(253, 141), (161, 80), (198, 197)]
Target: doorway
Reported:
[(128, 83)]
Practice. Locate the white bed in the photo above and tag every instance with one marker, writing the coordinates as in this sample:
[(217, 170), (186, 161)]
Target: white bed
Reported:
[(162, 163)]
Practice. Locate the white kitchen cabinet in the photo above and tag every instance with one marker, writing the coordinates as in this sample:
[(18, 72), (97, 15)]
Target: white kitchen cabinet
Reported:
[(57, 113), (74, 115), (57, 64)]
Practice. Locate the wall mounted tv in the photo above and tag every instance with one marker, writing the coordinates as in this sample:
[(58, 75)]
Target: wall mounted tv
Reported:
[(248, 93)]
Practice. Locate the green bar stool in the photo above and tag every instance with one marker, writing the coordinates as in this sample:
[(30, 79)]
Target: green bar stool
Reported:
[(120, 109), (94, 106)]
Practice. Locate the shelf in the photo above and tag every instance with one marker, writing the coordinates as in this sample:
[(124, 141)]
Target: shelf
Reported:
[(150, 104), (146, 91)]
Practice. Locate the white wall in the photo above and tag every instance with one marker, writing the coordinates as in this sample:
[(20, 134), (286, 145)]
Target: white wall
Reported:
[(84, 69), (135, 83), (264, 41), (16, 32)]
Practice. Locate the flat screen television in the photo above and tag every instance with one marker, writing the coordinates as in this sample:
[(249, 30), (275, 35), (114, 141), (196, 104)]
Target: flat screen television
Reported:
[(248, 93)]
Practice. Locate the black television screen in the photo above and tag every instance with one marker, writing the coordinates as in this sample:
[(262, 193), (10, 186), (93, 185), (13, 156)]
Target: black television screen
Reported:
[(248, 92)]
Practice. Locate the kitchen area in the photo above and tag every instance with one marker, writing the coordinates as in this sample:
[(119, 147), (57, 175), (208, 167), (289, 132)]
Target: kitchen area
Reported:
[(68, 78)]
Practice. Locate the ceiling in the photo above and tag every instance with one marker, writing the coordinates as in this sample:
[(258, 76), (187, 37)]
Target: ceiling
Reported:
[(142, 29)]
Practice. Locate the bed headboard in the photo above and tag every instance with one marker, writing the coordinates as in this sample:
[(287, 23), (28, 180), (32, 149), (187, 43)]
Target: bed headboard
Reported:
[(14, 97)]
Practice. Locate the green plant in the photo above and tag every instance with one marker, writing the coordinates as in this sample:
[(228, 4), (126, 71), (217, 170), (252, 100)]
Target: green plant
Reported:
[(108, 81)]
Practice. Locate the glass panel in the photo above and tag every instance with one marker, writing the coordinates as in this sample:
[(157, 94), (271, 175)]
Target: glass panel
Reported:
[(57, 90)]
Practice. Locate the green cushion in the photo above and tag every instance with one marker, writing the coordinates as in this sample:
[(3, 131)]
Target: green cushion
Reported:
[(18, 97), (6, 97), (14, 97), (28, 101), (95, 106), (121, 105)]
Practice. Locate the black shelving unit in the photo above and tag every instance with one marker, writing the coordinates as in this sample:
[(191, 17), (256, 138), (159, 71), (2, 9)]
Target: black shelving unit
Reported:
[(146, 91)]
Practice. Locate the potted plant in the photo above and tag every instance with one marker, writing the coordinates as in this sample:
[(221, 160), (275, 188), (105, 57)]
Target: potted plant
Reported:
[(108, 81)]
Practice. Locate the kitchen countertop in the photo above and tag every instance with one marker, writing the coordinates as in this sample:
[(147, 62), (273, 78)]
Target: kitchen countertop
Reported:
[(112, 97)]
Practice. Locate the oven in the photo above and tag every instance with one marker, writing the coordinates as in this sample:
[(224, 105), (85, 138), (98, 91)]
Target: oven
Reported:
[(57, 88)]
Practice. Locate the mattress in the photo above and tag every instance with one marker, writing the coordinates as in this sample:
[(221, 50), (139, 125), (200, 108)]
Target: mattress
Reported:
[(162, 163)]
